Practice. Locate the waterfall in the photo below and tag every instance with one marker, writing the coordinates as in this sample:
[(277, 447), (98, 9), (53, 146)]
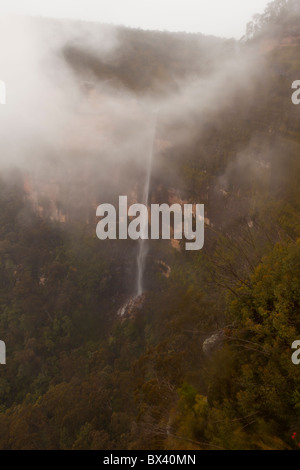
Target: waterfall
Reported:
[(143, 246)]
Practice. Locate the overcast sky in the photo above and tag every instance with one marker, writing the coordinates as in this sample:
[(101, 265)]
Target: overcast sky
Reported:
[(227, 18)]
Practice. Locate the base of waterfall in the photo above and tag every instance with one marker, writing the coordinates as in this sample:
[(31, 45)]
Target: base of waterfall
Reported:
[(131, 305)]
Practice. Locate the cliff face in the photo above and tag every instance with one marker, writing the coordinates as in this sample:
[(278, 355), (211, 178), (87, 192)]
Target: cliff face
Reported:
[(82, 172), (101, 156), (288, 40)]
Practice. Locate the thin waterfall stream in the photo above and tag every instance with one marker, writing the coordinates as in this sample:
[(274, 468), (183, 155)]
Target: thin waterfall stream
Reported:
[(143, 245)]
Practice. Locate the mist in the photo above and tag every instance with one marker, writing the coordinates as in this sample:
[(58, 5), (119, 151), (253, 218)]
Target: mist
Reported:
[(64, 124)]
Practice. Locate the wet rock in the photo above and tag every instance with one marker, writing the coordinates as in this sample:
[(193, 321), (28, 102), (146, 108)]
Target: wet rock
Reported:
[(131, 305), (213, 342)]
